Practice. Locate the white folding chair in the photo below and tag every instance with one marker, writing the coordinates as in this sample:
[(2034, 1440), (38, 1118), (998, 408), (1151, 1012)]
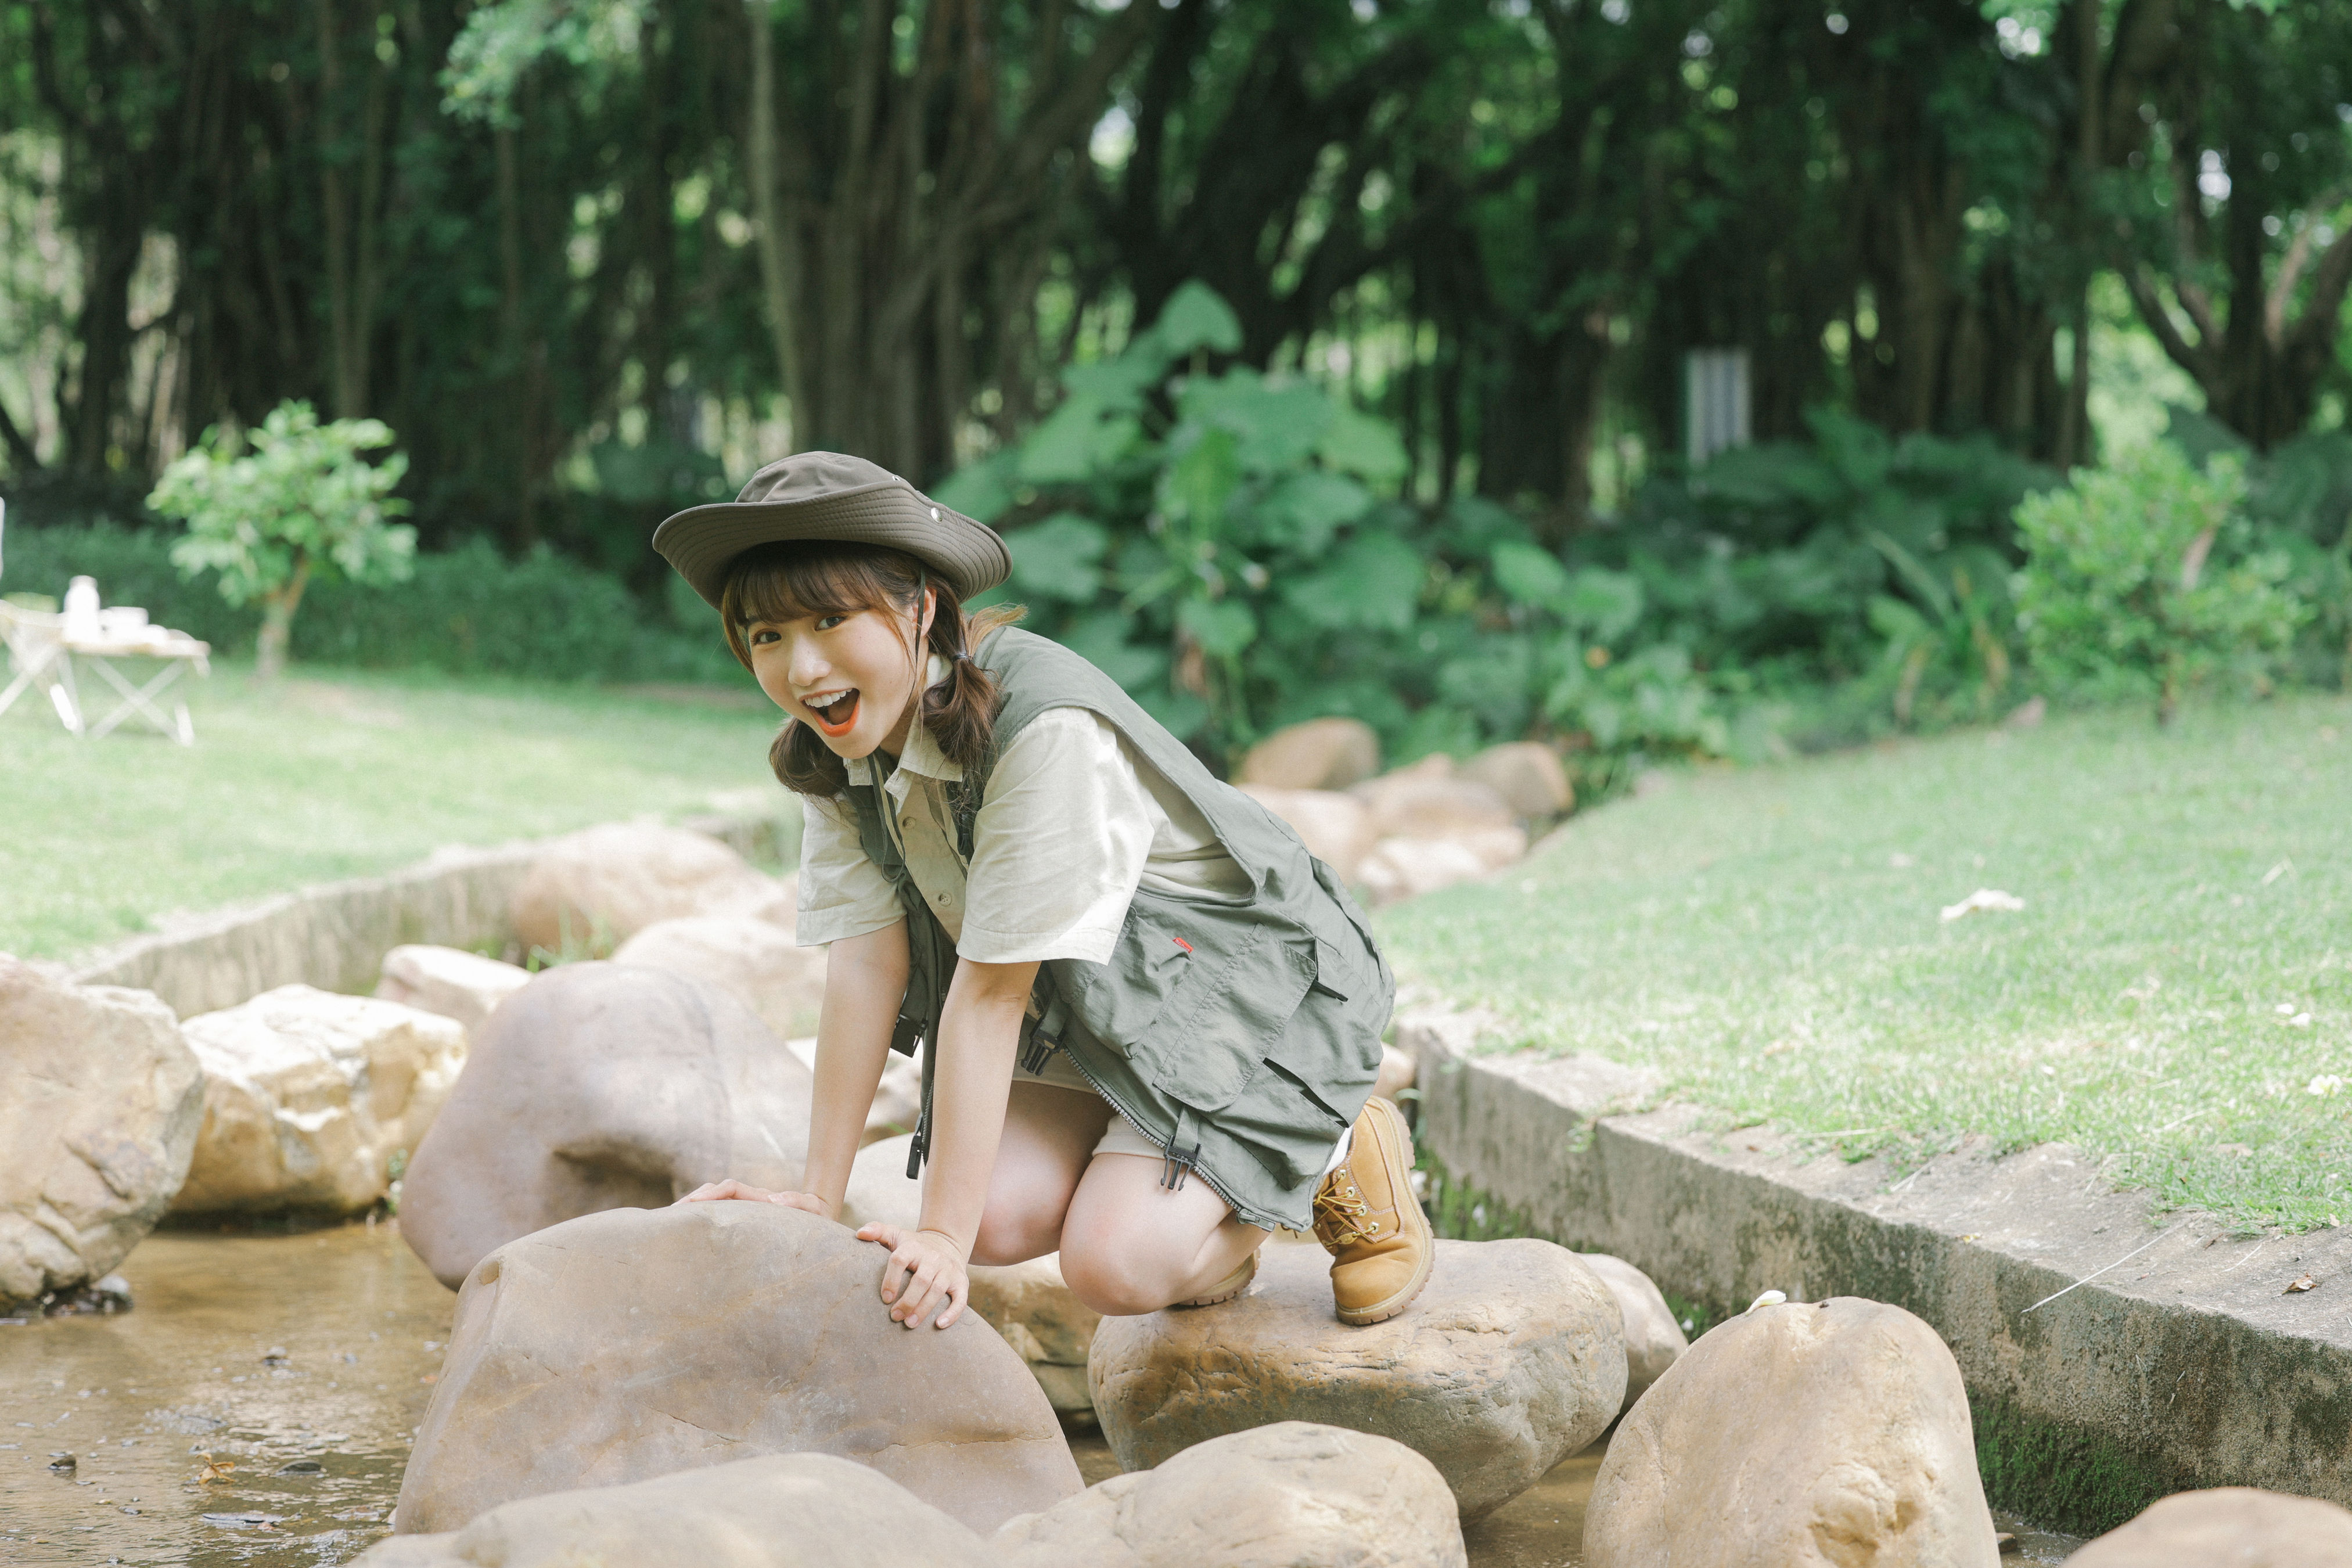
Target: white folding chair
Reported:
[(37, 647)]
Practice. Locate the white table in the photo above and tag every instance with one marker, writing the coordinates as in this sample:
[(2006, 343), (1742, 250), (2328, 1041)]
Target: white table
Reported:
[(48, 659)]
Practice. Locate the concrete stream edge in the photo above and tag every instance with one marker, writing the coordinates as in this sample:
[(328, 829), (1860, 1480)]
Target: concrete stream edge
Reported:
[(2161, 1368)]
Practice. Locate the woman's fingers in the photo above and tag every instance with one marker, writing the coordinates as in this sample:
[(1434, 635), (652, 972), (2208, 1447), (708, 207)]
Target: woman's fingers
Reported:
[(922, 1288), (956, 1298)]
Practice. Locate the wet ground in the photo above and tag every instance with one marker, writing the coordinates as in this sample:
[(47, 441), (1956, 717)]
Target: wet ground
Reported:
[(257, 1404)]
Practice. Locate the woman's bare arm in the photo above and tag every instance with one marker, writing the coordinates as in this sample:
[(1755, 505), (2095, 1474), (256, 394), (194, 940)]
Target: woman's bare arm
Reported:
[(864, 981), (980, 1034)]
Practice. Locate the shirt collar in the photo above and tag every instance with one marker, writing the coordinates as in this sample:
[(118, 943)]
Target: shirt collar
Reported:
[(922, 754)]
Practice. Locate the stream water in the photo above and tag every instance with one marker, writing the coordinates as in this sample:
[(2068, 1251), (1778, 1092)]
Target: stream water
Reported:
[(256, 1404)]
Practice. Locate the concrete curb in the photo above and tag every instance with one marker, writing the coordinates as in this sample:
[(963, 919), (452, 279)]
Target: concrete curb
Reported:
[(2182, 1365), (334, 936)]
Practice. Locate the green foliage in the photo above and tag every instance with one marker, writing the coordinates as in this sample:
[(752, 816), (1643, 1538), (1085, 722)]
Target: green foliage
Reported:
[(501, 42), (1875, 564), (1229, 547), (468, 611), (301, 504), (2143, 577)]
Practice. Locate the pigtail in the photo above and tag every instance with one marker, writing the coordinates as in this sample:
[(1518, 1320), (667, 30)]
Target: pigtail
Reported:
[(961, 712)]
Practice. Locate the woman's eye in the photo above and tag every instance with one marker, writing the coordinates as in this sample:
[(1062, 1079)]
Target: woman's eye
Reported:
[(826, 623), (764, 636)]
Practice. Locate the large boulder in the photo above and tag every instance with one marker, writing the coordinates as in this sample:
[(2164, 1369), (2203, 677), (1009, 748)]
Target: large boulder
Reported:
[(448, 981), (1045, 1323), (755, 959), (1801, 1436), (1429, 800), (98, 1122), (2229, 1526), (1510, 1360), (591, 890), (881, 1192), (635, 1343), (596, 1086), (1408, 867), (1528, 775), (312, 1098), (1029, 1303), (1653, 1340), (1336, 827), (1321, 754), (1282, 1496), (784, 1510)]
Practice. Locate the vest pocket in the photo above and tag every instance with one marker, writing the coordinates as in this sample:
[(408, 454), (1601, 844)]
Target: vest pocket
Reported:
[(1197, 999)]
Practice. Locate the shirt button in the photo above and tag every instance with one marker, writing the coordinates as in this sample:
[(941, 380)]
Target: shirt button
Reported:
[(943, 898)]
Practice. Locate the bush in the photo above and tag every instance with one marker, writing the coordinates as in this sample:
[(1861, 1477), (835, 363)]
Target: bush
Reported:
[(273, 509), (1873, 564), (1229, 549), (465, 611), (2145, 577)]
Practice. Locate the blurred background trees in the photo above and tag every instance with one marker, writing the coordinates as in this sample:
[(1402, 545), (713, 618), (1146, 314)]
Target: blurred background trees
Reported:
[(595, 259)]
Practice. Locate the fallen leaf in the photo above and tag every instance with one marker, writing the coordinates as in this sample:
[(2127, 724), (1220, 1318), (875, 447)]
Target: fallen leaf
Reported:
[(1983, 898), (2301, 1282)]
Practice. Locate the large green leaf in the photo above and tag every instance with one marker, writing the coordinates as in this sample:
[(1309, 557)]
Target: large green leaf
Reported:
[(1356, 443), (1307, 509), (1529, 575), (983, 490), (1197, 317), (1059, 558), (1221, 627), (1374, 581), (1274, 426), (1195, 488), (1077, 439)]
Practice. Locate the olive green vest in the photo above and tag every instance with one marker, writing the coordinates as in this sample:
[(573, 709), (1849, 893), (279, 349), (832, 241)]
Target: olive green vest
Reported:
[(1242, 1034)]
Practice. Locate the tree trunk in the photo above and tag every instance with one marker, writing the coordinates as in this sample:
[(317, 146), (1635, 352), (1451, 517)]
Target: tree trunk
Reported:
[(779, 283), (277, 623)]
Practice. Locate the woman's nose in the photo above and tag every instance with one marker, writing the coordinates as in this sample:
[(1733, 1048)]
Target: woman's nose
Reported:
[(806, 666)]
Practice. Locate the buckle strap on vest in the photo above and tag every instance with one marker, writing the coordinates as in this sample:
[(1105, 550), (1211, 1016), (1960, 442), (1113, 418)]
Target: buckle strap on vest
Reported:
[(1046, 1038), (1180, 1159)]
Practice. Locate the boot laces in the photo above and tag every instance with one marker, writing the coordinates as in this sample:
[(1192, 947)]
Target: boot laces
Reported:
[(1338, 1220)]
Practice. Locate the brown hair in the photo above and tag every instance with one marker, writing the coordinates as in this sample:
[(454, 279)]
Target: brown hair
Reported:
[(785, 581)]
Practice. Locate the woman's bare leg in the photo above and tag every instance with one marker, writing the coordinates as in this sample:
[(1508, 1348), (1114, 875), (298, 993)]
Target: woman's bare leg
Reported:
[(1049, 1135), (1129, 1245)]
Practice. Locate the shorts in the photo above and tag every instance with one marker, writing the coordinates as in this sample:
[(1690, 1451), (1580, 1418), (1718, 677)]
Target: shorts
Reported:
[(1122, 1136)]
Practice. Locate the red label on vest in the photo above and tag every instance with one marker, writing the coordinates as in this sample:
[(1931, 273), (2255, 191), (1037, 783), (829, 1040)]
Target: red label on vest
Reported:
[(1179, 941)]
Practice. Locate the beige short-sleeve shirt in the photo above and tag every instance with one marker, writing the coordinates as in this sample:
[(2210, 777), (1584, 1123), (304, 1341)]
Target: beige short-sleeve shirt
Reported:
[(1073, 823)]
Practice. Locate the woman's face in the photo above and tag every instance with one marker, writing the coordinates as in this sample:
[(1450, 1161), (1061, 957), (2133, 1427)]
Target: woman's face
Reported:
[(850, 676)]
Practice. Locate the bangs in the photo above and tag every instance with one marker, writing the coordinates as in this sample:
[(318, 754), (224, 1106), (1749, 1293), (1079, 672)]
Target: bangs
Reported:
[(784, 582)]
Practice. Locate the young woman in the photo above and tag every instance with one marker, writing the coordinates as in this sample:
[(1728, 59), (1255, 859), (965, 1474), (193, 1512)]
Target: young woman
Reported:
[(1150, 1021)]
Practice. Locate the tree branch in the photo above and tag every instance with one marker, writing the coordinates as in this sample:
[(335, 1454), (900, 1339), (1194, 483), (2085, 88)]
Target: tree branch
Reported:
[(2195, 359)]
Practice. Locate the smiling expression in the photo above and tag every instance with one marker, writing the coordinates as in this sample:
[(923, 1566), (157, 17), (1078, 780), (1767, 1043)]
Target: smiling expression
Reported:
[(850, 675)]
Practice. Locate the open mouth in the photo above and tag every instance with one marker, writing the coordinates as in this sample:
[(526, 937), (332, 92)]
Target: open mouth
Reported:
[(836, 714)]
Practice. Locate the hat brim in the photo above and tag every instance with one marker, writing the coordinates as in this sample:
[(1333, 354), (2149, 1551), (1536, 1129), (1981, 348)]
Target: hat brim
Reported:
[(702, 541)]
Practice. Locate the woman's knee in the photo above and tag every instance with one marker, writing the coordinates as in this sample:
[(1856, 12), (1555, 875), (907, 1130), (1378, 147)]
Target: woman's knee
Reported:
[(1112, 1280), (1015, 1232)]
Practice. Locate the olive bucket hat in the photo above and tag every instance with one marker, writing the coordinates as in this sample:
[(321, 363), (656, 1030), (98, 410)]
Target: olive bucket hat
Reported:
[(828, 495)]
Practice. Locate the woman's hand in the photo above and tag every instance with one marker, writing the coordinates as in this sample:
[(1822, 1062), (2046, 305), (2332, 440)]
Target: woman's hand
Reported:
[(927, 1269), (715, 1192)]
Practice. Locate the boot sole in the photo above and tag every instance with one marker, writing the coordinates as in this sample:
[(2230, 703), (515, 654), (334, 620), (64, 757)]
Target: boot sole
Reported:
[(1221, 1296), (1381, 1312)]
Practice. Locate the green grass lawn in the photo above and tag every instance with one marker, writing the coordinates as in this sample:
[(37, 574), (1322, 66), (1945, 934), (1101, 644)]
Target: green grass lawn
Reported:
[(2177, 984), (338, 774)]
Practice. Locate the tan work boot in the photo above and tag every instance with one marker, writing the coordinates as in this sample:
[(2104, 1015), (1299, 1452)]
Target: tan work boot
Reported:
[(1368, 1219)]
